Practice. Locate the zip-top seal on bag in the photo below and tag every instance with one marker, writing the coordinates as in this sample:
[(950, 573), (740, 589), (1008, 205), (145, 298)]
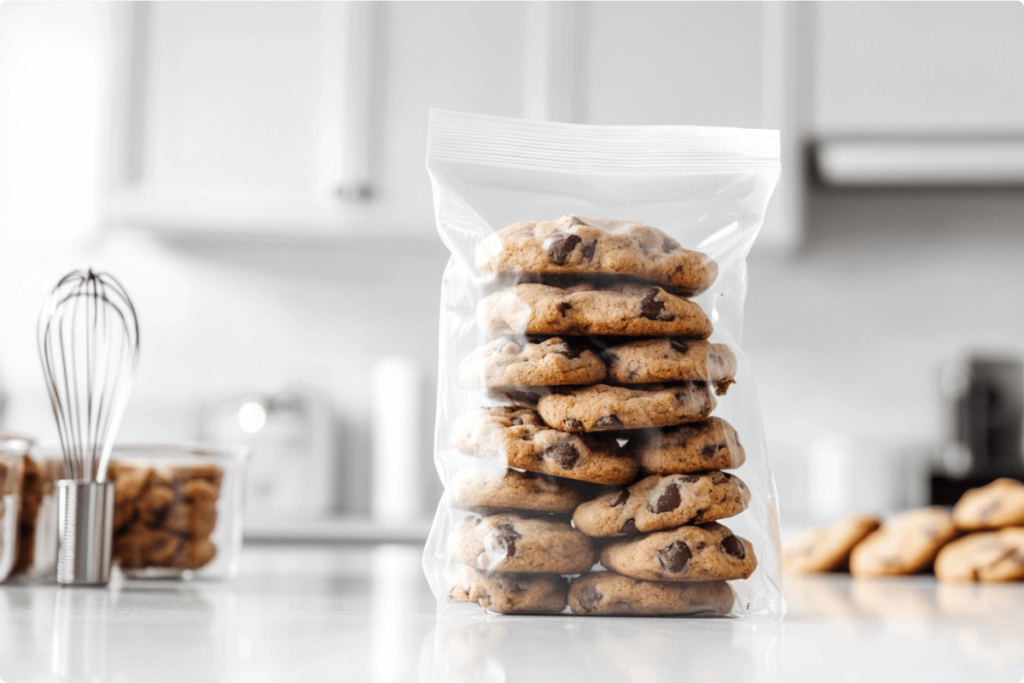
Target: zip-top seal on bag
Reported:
[(598, 432)]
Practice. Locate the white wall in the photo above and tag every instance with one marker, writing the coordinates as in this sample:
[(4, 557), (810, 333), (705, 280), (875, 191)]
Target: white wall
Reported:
[(847, 338)]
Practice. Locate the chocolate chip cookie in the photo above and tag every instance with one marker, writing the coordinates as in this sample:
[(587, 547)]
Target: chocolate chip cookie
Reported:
[(672, 360), (513, 543), (509, 593), (611, 593), (905, 544), (705, 552), (518, 362), (604, 408), (516, 436), (663, 502), (709, 445), (574, 244), (983, 556), (827, 549), (999, 504), (492, 489), (583, 309)]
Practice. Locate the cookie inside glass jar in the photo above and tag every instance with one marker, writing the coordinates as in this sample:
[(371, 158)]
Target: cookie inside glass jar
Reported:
[(165, 515)]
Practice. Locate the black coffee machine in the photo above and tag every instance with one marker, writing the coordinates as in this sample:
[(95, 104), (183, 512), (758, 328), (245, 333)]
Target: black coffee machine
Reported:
[(985, 403)]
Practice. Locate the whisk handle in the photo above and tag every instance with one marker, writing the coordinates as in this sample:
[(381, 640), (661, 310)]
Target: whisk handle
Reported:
[(85, 527)]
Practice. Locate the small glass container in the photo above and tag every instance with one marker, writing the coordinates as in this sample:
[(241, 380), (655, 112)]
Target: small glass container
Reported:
[(178, 510), (12, 461), (35, 555)]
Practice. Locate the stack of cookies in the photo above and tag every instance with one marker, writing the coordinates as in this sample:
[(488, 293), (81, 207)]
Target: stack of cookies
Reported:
[(164, 515), (601, 444)]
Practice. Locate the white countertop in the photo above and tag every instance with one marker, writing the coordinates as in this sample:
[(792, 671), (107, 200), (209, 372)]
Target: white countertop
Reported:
[(363, 613)]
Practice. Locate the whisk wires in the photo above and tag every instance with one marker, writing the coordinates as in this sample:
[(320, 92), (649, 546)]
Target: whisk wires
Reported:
[(88, 339)]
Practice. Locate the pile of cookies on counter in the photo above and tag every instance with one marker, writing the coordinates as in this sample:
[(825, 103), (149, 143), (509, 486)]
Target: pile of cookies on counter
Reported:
[(598, 437), (982, 540), (164, 514)]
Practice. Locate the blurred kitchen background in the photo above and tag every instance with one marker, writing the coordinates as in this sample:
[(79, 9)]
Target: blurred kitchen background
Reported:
[(254, 175)]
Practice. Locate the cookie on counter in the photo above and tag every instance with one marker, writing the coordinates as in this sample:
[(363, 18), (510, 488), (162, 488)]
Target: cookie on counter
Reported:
[(509, 593), (983, 556), (905, 544), (612, 593), (579, 245), (584, 309), (826, 549), (516, 436), (663, 502), (605, 408), (695, 447), (493, 489), (513, 543), (706, 552), (996, 505), (672, 360), (554, 361)]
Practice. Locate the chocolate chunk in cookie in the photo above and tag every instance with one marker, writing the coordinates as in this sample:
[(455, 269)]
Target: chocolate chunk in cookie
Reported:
[(663, 502)]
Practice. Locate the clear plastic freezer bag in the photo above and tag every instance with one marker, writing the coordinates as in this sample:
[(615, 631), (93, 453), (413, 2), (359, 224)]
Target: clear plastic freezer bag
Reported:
[(598, 433)]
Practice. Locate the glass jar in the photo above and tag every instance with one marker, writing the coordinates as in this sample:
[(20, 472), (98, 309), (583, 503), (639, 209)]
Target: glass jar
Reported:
[(178, 510), (12, 459), (35, 554)]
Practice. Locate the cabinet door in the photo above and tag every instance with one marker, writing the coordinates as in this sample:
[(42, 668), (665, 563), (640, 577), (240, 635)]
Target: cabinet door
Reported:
[(225, 99), (919, 67), (465, 56), (253, 113), (685, 63)]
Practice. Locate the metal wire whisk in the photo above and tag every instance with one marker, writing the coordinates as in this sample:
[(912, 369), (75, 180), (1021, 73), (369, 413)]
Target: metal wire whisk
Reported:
[(89, 347), (88, 339)]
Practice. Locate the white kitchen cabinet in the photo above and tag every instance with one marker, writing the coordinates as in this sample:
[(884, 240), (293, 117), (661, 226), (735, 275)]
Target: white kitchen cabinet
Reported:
[(936, 68), (310, 119), (919, 93), (443, 55), (297, 119), (685, 63)]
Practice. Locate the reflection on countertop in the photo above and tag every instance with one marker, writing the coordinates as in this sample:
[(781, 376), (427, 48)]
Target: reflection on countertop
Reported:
[(365, 614)]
